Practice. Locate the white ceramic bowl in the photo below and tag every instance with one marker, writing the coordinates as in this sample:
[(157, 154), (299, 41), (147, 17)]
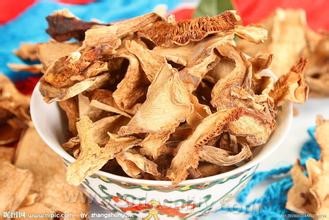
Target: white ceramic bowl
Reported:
[(151, 198)]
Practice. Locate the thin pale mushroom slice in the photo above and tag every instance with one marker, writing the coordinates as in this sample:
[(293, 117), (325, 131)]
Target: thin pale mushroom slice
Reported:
[(133, 86), (188, 154), (144, 164), (108, 108), (51, 51), (291, 86), (167, 104), (251, 33), (151, 62), (19, 67), (52, 94), (92, 157), (222, 157), (27, 51), (71, 109), (220, 94), (199, 112), (154, 144), (15, 185), (164, 33), (128, 167)]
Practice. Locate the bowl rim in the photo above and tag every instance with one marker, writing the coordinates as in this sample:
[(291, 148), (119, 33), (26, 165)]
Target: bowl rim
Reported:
[(288, 117)]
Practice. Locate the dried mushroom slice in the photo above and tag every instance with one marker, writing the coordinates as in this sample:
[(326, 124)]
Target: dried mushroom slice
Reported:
[(154, 145), (151, 62), (291, 86), (167, 104), (9, 133), (15, 185), (7, 153), (92, 157), (128, 167), (28, 51), (309, 194), (165, 33), (51, 51), (133, 87), (221, 92), (71, 109), (222, 157), (144, 164), (63, 25), (188, 154), (18, 67), (51, 93)]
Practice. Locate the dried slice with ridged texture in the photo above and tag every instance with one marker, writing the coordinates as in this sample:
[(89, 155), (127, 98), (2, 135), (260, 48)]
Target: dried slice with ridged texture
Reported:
[(188, 154), (51, 93), (151, 62), (291, 86), (63, 25), (164, 33), (15, 185), (222, 157), (133, 87), (168, 103), (70, 107), (92, 157)]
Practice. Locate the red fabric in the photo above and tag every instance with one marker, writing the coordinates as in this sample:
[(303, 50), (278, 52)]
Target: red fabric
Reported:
[(26, 86), (317, 11), (10, 9)]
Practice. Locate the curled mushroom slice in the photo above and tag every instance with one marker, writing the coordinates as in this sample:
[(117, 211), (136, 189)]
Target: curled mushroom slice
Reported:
[(222, 157), (220, 95), (150, 61), (291, 86), (133, 87), (144, 164), (154, 145), (70, 107), (28, 51), (128, 167), (92, 157), (188, 154), (168, 103), (164, 33), (51, 93)]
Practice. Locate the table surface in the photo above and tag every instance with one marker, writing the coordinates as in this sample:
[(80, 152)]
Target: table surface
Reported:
[(284, 155)]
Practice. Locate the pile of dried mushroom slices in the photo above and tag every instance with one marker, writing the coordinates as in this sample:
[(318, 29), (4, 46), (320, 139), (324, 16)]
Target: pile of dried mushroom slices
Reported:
[(153, 98)]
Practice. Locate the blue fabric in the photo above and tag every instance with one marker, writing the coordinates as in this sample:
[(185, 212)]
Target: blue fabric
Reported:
[(271, 205), (30, 26)]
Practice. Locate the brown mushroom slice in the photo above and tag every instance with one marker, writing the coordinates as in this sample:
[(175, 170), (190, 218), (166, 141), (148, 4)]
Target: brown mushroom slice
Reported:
[(188, 154), (222, 157), (133, 86), (51, 51), (151, 62), (164, 33), (52, 94), (208, 169), (18, 67), (291, 86), (167, 104), (128, 167), (92, 157), (63, 25), (144, 164), (14, 186), (28, 51), (71, 109), (220, 95)]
